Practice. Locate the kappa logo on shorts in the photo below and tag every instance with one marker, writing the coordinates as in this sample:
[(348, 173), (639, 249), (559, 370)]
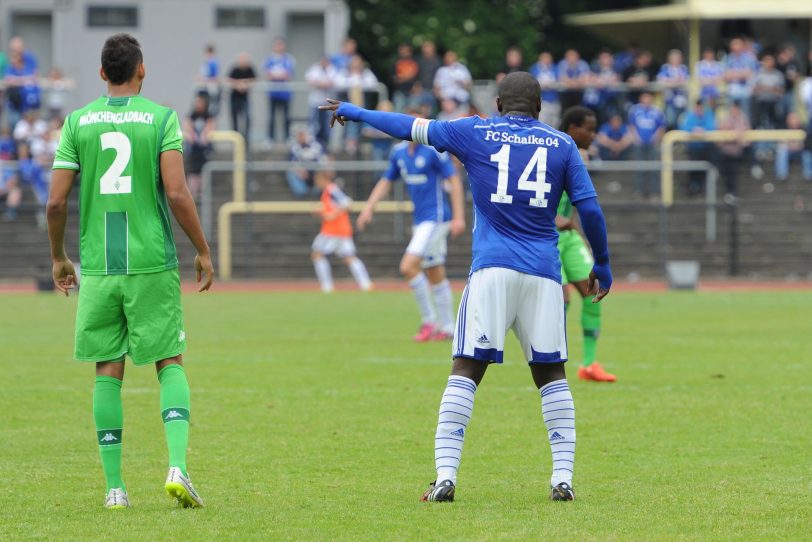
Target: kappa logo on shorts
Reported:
[(483, 339), (181, 336)]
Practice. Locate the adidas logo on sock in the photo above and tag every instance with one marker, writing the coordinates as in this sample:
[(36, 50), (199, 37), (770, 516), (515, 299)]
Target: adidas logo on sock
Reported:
[(556, 436), (483, 339), (173, 414), (459, 432), (109, 437)]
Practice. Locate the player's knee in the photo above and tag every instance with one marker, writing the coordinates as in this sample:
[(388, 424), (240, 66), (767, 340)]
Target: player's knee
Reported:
[(436, 274), (175, 360), (316, 256), (409, 268), (348, 260), (544, 373)]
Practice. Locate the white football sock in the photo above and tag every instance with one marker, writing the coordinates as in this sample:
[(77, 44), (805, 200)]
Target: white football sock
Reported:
[(558, 411), (420, 287), (455, 413), (445, 312), (324, 273), (359, 273)]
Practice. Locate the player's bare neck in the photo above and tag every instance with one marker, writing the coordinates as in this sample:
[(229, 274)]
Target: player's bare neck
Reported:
[(131, 88), (513, 113)]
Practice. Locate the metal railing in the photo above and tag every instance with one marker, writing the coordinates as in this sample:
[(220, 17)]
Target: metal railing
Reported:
[(716, 136)]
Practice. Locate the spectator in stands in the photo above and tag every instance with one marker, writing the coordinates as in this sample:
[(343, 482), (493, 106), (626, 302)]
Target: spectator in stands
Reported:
[(453, 80), (321, 78), (740, 68), (573, 75), (732, 152), (513, 62), (240, 79), (30, 127), (356, 82), (9, 185), (428, 63), (3, 65), (639, 75), (210, 80), (614, 139), (768, 94), (30, 173), (787, 63), (279, 68), (381, 142), (405, 72), (647, 125), (697, 121), (600, 97), (197, 127), (789, 151), (304, 149), (674, 77), (57, 93), (449, 110), (805, 98), (623, 59), (341, 61), (711, 76), (545, 72), (22, 87)]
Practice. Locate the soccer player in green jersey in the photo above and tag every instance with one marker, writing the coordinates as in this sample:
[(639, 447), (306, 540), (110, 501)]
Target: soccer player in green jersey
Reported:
[(128, 151), (580, 123)]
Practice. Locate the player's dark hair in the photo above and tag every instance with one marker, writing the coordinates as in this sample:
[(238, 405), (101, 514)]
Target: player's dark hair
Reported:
[(519, 92), (577, 115), (120, 57)]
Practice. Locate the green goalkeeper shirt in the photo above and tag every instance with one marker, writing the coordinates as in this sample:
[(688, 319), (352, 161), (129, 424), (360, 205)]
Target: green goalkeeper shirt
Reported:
[(564, 206), (116, 143)]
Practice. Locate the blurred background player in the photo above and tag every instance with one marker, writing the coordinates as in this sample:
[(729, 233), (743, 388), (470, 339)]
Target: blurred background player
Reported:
[(579, 123), (517, 169), (335, 236), (425, 172), (129, 303)]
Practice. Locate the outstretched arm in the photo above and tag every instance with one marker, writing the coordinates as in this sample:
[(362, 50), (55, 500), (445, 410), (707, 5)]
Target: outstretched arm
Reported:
[(395, 124), (183, 207), (594, 226), (380, 191), (457, 206)]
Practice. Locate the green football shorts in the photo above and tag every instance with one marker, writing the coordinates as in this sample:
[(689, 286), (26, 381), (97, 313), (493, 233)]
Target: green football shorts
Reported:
[(140, 315), (576, 259)]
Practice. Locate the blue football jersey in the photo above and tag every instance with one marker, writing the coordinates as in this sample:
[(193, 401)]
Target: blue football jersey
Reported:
[(423, 170), (518, 168)]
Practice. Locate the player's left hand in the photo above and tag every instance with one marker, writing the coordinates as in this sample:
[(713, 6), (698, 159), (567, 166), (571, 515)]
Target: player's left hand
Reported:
[(203, 266), (600, 281), (457, 227), (332, 105), (64, 276)]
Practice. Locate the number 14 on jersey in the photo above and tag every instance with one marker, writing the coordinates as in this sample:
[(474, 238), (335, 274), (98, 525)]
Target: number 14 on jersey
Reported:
[(540, 186)]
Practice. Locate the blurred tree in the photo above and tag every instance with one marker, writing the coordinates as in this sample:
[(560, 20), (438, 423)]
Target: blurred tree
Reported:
[(479, 30)]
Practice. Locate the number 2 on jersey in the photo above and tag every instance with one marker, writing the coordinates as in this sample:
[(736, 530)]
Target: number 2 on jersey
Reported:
[(112, 182), (540, 186)]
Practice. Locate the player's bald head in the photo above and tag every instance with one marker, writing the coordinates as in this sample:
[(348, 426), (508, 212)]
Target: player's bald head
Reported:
[(519, 92)]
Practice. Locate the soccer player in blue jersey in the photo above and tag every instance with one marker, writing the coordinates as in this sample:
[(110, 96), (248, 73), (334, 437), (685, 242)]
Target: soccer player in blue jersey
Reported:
[(518, 168), (425, 172)]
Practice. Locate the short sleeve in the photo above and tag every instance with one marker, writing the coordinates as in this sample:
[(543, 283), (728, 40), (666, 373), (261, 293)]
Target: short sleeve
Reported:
[(446, 166), (67, 155), (392, 171), (577, 184), (173, 134)]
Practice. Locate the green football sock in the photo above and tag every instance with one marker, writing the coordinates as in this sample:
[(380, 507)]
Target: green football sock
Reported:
[(175, 413), (109, 417), (591, 323)]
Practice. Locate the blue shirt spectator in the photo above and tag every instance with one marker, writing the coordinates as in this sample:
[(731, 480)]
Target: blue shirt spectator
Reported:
[(647, 120), (614, 139), (711, 75), (698, 120), (279, 67), (546, 73)]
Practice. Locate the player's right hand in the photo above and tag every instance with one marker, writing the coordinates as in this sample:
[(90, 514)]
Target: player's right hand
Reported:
[(203, 266), (363, 219), (600, 281), (64, 276)]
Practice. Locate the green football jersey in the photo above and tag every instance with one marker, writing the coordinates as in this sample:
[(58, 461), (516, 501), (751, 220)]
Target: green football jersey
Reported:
[(564, 206), (116, 143)]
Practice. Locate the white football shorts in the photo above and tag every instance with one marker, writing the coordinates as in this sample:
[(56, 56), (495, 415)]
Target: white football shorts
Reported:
[(430, 242), (496, 300), (331, 244)]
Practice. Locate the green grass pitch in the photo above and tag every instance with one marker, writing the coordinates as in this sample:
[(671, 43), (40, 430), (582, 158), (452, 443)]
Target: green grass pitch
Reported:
[(313, 419)]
